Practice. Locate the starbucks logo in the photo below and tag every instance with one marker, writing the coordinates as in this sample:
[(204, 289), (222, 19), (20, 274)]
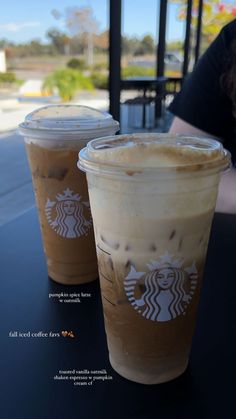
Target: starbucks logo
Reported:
[(164, 292), (67, 215)]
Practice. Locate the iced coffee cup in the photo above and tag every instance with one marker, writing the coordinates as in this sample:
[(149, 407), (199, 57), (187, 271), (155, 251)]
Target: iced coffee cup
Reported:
[(53, 136), (152, 199)]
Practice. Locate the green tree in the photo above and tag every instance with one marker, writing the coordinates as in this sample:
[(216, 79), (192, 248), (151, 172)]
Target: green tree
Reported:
[(148, 44), (101, 41), (80, 21), (60, 40), (130, 44), (175, 45), (4, 43), (35, 47), (76, 63), (67, 82), (216, 13), (77, 45)]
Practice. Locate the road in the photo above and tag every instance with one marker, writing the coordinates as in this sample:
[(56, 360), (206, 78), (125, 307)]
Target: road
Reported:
[(16, 192)]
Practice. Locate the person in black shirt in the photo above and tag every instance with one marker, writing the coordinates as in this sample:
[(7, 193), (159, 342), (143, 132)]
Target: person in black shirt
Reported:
[(206, 105)]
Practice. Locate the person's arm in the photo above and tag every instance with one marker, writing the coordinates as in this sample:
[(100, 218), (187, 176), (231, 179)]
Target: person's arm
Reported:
[(179, 126), (226, 201)]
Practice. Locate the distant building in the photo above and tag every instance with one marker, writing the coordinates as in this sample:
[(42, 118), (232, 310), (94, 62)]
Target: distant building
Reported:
[(3, 65)]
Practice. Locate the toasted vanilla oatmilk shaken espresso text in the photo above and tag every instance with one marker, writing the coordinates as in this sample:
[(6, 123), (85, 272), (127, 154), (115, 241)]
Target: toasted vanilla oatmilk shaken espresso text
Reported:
[(152, 200), (53, 136)]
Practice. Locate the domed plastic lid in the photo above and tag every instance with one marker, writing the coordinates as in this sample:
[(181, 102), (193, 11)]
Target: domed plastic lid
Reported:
[(67, 119), (149, 154)]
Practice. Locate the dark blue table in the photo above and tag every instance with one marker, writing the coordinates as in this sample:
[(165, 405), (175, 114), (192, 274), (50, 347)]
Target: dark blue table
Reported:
[(28, 365), (147, 84)]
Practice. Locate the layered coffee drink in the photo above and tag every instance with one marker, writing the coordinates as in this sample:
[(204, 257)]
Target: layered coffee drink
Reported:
[(54, 135), (152, 205), (65, 217)]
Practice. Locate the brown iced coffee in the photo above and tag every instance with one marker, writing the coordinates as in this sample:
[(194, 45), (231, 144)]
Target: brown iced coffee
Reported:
[(54, 135), (145, 304), (152, 200)]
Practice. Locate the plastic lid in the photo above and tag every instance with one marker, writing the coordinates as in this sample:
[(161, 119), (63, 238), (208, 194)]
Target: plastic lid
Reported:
[(71, 119), (150, 154)]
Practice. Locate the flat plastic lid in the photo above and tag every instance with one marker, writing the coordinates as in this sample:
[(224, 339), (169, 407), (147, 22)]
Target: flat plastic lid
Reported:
[(67, 118)]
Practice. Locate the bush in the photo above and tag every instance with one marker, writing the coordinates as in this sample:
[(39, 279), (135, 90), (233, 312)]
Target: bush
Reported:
[(67, 82), (100, 81), (77, 64), (7, 77), (100, 66), (137, 71)]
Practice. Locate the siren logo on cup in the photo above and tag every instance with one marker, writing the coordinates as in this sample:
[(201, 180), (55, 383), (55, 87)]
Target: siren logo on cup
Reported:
[(66, 215), (166, 290)]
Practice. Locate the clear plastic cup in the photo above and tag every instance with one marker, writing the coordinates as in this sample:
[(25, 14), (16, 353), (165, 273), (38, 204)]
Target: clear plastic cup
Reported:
[(53, 137), (152, 199)]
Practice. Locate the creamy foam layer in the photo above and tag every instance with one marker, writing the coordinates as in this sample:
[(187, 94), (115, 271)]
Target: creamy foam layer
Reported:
[(166, 151)]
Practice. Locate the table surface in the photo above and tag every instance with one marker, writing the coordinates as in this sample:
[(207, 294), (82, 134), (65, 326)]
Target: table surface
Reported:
[(29, 364)]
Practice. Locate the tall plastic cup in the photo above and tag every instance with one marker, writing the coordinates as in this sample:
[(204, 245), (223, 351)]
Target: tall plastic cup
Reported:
[(53, 137), (152, 200)]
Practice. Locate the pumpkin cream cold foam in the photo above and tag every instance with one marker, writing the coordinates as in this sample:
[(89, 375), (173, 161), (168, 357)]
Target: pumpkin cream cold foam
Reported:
[(152, 199)]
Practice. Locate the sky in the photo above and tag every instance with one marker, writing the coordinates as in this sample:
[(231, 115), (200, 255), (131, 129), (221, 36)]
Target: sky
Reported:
[(24, 20)]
